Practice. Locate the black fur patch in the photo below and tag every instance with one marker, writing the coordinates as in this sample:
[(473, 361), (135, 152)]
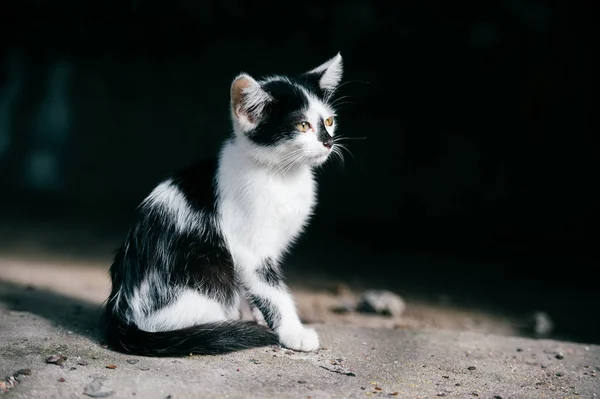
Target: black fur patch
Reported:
[(323, 135), (198, 184), (311, 82), (204, 261), (281, 115), (269, 311), (270, 273), (154, 246)]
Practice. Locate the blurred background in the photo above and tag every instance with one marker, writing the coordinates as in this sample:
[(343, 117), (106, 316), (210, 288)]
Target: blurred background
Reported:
[(469, 192)]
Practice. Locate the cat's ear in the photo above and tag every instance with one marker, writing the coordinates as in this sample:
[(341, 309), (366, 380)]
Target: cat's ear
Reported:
[(248, 100), (329, 73)]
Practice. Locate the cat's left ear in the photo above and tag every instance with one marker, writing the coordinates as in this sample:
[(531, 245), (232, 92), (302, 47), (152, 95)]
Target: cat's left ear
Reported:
[(248, 100), (329, 73)]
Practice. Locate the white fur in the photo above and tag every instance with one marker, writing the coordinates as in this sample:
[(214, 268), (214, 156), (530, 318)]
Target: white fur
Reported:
[(170, 200), (188, 309), (262, 213)]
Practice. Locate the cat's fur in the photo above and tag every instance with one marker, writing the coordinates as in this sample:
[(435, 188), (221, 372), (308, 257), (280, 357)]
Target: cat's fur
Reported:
[(209, 236)]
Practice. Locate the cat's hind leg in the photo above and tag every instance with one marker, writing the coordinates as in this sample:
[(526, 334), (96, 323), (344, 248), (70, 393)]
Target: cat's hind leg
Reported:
[(188, 308)]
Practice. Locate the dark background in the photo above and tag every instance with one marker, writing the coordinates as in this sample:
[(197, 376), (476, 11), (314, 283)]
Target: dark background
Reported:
[(475, 176)]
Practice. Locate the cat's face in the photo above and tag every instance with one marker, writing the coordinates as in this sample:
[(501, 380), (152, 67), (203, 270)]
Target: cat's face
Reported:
[(288, 121)]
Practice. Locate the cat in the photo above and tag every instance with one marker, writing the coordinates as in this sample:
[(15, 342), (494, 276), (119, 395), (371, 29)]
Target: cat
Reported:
[(215, 233)]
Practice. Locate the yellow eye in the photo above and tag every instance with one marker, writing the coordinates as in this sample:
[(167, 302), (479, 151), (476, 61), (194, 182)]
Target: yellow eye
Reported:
[(303, 126), (329, 121)]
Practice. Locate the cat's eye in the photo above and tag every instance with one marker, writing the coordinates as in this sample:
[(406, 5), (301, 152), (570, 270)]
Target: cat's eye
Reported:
[(329, 121), (303, 126)]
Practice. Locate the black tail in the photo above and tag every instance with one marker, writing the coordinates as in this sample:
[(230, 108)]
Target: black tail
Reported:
[(204, 339)]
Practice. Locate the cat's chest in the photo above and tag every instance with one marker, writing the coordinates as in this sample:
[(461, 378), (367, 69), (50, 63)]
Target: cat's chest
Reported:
[(282, 205), (266, 214)]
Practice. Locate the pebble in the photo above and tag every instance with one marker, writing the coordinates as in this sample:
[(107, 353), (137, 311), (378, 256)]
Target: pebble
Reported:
[(381, 302), (57, 359), (542, 324)]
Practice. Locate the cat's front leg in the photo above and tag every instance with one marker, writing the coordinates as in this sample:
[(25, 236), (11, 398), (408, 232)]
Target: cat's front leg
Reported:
[(268, 292)]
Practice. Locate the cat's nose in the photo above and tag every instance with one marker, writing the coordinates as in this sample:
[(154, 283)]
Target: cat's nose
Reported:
[(328, 143)]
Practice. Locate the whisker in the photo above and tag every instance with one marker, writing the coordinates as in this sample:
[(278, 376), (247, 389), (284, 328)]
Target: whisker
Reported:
[(332, 93), (343, 147), (340, 156), (337, 100), (336, 138)]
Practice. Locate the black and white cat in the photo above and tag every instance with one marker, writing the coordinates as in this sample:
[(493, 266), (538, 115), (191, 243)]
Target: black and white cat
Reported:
[(210, 236)]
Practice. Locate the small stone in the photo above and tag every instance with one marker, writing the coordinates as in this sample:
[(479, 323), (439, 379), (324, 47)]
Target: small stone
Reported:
[(560, 357), (23, 372), (471, 368), (82, 363), (363, 388), (111, 366), (519, 350), (446, 376), (57, 359), (441, 394), (301, 381), (132, 361), (378, 388), (457, 384), (381, 302), (542, 324), (61, 379), (394, 393)]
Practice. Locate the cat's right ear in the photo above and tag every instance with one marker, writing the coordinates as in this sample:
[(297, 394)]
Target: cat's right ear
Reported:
[(248, 101)]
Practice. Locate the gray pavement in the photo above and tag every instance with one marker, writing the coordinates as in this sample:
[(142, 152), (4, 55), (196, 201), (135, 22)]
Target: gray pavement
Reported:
[(353, 363)]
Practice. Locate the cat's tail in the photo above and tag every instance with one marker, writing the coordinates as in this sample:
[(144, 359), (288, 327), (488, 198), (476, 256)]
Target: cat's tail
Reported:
[(203, 339)]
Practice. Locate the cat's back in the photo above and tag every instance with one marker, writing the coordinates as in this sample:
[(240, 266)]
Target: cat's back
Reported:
[(197, 184)]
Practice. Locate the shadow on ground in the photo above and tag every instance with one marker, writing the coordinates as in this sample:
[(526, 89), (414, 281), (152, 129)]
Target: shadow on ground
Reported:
[(74, 315)]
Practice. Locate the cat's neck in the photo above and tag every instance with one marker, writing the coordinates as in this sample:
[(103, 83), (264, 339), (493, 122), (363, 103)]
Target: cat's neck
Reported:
[(239, 155), (261, 210)]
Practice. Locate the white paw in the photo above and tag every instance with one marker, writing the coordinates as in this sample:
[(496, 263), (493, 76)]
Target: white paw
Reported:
[(302, 339)]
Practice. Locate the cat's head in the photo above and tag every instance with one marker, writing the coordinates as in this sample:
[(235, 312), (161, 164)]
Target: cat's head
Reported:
[(287, 121)]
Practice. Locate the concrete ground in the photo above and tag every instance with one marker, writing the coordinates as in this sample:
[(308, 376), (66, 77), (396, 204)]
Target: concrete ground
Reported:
[(49, 309), (353, 362)]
